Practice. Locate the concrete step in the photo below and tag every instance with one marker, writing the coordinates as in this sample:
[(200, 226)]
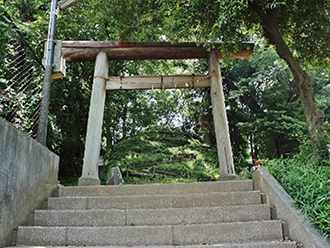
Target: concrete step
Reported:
[(158, 189), (156, 201), (237, 232), (277, 244), (139, 217)]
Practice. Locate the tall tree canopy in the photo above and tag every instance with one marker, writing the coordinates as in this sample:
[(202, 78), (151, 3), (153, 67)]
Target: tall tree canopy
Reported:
[(261, 93), (299, 30)]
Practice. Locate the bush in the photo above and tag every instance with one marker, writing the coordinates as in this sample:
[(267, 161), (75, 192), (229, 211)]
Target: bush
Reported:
[(308, 183)]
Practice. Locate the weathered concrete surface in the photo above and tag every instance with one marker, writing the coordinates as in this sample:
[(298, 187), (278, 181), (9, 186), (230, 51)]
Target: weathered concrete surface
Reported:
[(113, 217), (158, 189), (227, 232), (35, 235), (156, 201), (95, 235), (184, 216), (246, 245), (28, 175), (299, 228), (242, 245), (154, 217), (152, 235)]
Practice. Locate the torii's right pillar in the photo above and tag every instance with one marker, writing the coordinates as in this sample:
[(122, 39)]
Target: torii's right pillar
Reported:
[(225, 154)]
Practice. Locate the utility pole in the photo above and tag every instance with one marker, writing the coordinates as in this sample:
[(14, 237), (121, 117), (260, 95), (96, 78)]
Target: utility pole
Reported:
[(44, 108)]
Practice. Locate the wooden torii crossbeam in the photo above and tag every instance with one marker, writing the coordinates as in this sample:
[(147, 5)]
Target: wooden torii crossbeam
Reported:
[(88, 50), (102, 52), (158, 82)]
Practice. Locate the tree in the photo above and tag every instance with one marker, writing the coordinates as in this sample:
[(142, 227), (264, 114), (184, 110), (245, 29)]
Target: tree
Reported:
[(232, 22), (263, 104), (272, 27), (299, 30)]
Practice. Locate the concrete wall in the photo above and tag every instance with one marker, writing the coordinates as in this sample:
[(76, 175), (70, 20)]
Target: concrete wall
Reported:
[(28, 175), (296, 226)]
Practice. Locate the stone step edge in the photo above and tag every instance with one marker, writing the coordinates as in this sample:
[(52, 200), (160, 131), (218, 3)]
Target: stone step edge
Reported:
[(158, 195), (164, 226), (157, 201), (162, 184), (63, 190), (153, 209), (254, 231), (146, 217), (220, 245)]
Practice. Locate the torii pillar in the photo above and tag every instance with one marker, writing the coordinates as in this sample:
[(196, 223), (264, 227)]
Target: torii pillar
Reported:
[(225, 154), (95, 120), (89, 50)]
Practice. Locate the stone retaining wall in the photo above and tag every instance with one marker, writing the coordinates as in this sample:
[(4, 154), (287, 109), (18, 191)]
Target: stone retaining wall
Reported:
[(296, 226), (28, 175)]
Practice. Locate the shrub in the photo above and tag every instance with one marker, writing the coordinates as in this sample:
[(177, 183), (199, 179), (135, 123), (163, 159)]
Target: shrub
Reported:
[(308, 183)]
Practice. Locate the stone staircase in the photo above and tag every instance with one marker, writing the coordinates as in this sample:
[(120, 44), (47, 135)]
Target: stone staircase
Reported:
[(211, 214)]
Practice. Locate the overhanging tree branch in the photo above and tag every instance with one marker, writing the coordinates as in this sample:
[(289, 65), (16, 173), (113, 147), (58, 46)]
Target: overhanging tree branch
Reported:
[(313, 115)]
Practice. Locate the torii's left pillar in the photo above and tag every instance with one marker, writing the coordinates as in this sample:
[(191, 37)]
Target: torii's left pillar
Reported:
[(94, 127)]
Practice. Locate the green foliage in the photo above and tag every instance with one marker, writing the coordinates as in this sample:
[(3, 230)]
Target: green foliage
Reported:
[(69, 111), (20, 74), (304, 26), (307, 183), (275, 131), (322, 152), (160, 154), (264, 106), (299, 30), (321, 88)]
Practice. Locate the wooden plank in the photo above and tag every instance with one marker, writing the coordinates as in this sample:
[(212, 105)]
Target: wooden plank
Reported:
[(166, 173), (157, 82), (87, 50)]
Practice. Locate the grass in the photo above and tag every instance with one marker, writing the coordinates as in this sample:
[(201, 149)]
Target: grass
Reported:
[(170, 150), (308, 184)]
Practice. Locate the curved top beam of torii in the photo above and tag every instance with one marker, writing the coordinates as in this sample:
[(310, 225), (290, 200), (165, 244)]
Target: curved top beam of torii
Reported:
[(88, 50)]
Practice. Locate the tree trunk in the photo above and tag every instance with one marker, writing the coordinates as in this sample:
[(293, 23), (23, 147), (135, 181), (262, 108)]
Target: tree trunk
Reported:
[(313, 115), (109, 139), (124, 121)]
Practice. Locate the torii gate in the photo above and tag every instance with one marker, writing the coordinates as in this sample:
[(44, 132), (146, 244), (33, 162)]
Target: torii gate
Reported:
[(101, 52)]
